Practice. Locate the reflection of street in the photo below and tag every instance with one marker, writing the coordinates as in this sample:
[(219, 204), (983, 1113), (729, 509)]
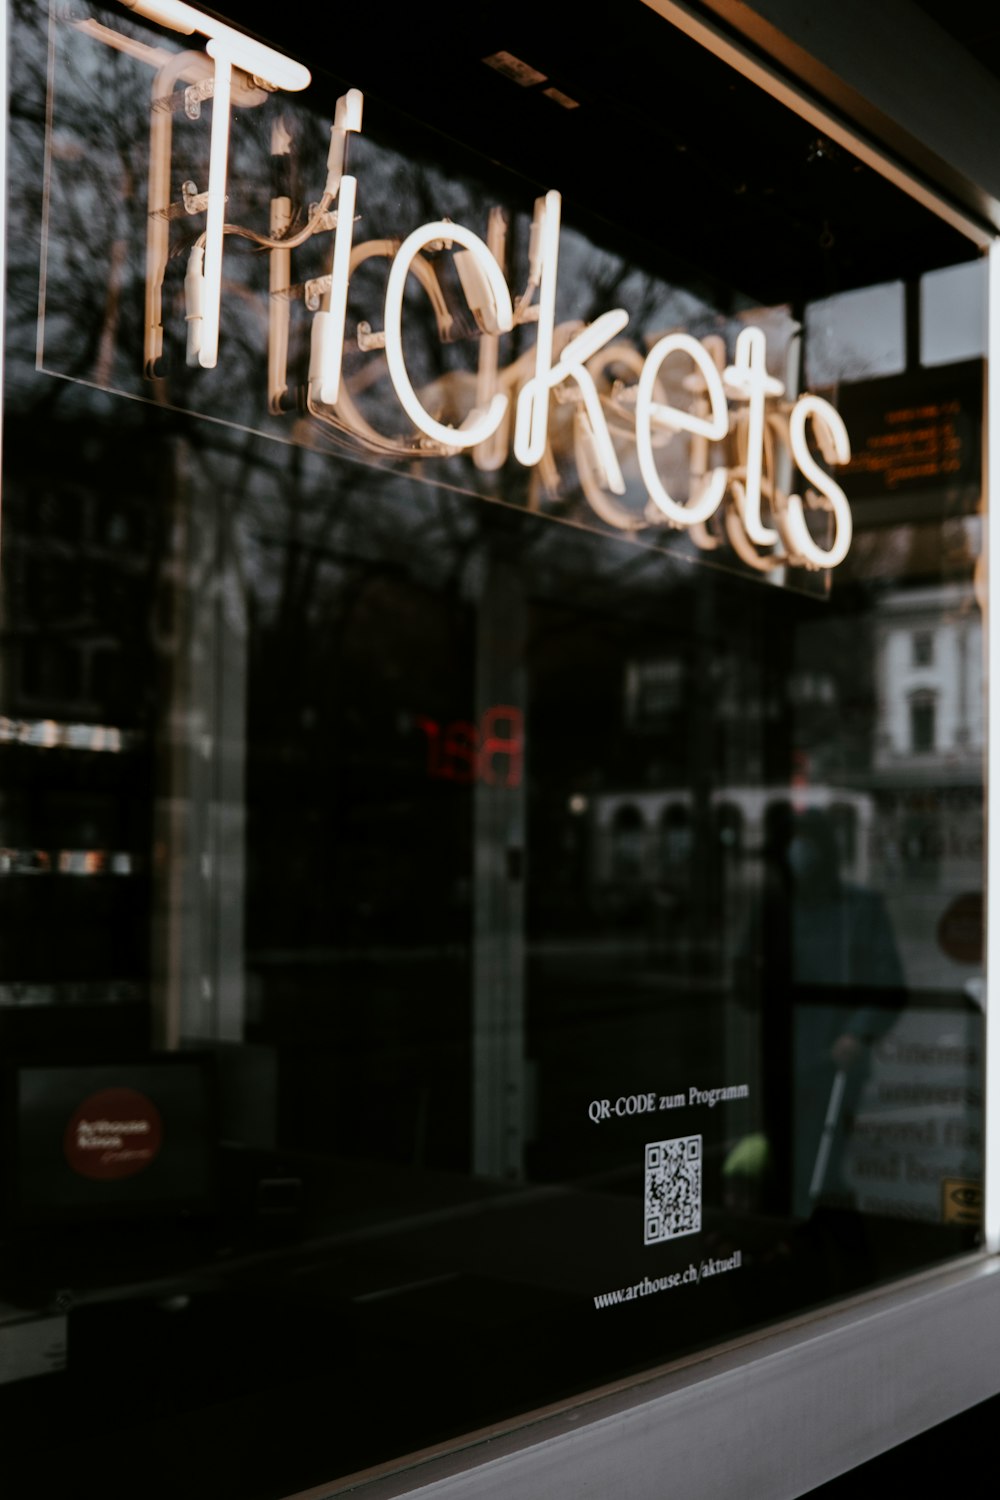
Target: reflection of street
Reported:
[(645, 846), (642, 847)]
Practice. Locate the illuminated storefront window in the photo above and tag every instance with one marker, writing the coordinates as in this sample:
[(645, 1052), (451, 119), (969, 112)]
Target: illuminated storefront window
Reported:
[(492, 727)]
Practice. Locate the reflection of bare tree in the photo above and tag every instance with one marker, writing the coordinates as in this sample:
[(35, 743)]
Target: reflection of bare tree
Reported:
[(95, 229), (97, 218)]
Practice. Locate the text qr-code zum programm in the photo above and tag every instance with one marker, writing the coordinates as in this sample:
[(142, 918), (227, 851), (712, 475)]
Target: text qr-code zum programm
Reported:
[(673, 1188)]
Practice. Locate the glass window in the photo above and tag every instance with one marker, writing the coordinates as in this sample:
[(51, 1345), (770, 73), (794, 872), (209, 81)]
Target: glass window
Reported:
[(922, 723), (491, 877), (953, 314), (856, 334), (923, 648)]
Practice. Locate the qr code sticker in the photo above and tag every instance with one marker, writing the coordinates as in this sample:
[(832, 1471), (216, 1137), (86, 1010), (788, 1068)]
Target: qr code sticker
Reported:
[(673, 1188)]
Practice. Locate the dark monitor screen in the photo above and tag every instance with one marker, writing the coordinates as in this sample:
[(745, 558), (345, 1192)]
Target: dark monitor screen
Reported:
[(111, 1140)]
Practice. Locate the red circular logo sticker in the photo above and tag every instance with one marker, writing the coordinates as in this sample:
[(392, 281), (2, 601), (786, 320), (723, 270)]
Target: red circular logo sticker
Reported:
[(960, 930), (114, 1133)]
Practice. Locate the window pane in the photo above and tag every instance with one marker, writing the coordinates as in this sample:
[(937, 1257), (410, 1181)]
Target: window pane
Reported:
[(953, 314), (856, 335), (482, 917)]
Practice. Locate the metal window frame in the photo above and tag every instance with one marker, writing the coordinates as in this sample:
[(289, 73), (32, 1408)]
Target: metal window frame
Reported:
[(770, 1417)]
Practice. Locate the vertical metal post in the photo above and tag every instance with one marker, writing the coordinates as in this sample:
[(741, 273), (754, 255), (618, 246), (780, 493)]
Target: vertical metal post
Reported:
[(3, 211), (199, 835), (498, 1064), (991, 1183)]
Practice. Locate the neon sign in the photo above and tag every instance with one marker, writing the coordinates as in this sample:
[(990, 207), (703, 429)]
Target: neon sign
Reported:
[(491, 751), (746, 439)]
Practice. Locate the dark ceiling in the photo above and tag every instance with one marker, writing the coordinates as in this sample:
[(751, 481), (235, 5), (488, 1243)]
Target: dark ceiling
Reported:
[(690, 163), (973, 23)]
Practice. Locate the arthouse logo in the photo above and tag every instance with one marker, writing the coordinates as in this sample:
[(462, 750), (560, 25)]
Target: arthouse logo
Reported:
[(114, 1133)]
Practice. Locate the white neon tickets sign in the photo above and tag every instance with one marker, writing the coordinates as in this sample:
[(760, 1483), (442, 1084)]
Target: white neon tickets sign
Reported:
[(733, 421)]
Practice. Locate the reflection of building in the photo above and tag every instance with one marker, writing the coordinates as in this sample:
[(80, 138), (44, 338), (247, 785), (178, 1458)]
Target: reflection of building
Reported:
[(906, 804), (928, 644), (649, 835), (927, 759)]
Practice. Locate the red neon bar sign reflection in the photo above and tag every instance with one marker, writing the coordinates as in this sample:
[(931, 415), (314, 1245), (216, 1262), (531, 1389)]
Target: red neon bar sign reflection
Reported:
[(491, 751)]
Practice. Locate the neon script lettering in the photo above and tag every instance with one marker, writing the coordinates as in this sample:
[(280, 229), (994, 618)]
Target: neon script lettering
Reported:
[(737, 428)]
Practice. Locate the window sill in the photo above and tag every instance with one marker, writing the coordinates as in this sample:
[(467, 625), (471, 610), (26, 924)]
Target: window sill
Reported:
[(776, 1414)]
